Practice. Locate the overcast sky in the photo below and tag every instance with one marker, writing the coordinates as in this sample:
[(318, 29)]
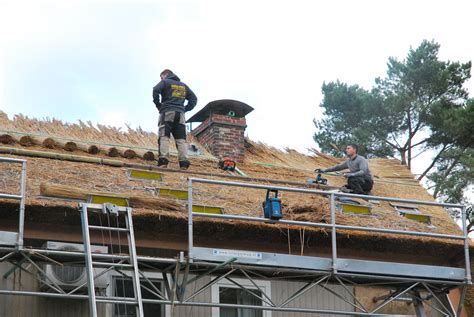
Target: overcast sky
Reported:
[(98, 60)]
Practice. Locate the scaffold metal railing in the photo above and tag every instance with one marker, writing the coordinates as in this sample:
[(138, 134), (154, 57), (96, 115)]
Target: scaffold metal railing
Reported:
[(399, 273), (315, 272)]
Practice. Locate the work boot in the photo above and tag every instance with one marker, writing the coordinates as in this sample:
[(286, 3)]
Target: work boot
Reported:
[(184, 165), (344, 189), (163, 162)]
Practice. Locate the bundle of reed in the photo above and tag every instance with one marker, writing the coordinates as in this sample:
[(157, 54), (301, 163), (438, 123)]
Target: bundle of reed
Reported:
[(149, 156), (61, 156), (27, 140), (146, 154), (49, 143), (24, 140), (91, 149), (66, 145), (129, 153), (6, 139), (112, 151)]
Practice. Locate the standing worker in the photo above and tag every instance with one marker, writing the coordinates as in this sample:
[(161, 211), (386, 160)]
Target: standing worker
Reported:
[(172, 122), (359, 179)]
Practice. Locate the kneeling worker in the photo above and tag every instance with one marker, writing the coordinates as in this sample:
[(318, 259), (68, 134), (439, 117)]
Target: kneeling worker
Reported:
[(173, 94), (359, 180)]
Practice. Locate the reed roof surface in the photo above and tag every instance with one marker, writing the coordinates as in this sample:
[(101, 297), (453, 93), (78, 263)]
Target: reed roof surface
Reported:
[(261, 161), (76, 179)]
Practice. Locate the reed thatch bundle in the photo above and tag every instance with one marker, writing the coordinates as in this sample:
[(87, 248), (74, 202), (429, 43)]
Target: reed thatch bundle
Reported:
[(149, 156), (113, 152), (129, 153), (91, 149), (106, 138), (27, 140), (6, 139), (49, 143)]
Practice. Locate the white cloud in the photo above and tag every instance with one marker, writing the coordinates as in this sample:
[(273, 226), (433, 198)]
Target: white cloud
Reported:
[(274, 55), (114, 118)]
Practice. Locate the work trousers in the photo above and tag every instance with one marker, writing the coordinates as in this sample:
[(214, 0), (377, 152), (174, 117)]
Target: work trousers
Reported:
[(172, 123), (360, 184)]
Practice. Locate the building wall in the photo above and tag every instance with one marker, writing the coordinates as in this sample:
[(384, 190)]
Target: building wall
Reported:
[(34, 306), (26, 306), (19, 306)]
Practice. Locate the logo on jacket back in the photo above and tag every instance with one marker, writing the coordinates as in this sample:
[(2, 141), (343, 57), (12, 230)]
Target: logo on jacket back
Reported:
[(178, 91)]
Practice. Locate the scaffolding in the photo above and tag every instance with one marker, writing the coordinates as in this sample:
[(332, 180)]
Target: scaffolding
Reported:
[(415, 283), (16, 238)]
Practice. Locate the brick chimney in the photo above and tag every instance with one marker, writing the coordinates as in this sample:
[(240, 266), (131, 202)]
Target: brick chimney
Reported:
[(222, 128)]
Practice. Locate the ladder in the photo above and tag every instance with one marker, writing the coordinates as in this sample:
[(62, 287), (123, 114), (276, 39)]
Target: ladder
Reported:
[(9, 238), (128, 262)]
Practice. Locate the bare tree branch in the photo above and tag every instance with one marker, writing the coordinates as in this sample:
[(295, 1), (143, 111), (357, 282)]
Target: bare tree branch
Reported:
[(419, 143), (436, 158)]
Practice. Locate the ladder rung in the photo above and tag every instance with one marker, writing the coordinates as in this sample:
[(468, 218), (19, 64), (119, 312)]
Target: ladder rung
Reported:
[(108, 228), (112, 264)]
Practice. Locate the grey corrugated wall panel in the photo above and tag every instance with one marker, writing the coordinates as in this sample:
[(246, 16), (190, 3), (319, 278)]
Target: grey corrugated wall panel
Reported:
[(315, 298), (13, 306), (33, 306), (184, 311)]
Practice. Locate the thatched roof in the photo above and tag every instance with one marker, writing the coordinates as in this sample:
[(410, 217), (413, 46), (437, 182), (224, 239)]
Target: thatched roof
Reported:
[(262, 162), (106, 147)]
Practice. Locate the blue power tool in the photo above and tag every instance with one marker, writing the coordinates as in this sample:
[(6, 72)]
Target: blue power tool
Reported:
[(272, 206), (319, 180)]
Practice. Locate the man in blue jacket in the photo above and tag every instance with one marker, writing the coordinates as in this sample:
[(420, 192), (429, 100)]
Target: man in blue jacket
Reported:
[(169, 97), (359, 179)]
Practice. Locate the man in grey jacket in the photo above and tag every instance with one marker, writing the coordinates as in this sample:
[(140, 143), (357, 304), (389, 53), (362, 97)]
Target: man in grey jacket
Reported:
[(359, 179)]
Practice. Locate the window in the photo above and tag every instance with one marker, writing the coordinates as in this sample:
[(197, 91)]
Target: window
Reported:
[(403, 208), (123, 287), (229, 293)]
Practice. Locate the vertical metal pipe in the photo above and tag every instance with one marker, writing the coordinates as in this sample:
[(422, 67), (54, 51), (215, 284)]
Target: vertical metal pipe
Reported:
[(467, 260), (133, 260), (190, 220), (461, 301), (88, 258), (21, 221), (418, 304), (466, 245), (333, 232)]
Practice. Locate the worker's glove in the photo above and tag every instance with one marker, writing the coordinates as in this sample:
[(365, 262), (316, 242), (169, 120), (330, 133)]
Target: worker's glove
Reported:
[(319, 170)]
